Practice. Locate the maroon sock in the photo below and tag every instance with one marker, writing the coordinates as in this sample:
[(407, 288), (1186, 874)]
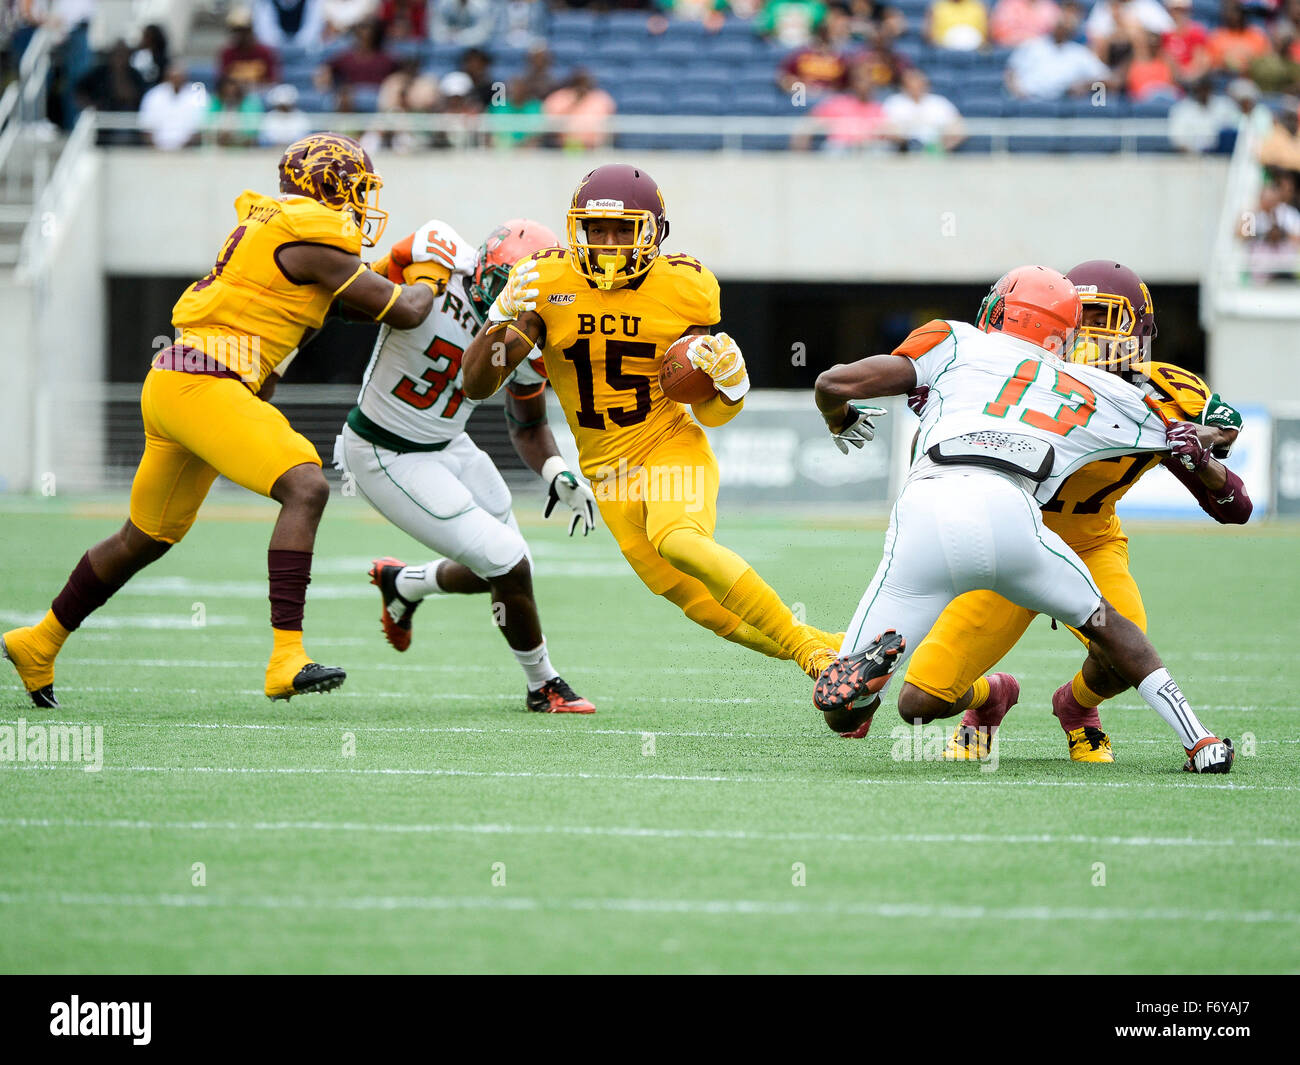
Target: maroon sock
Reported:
[(290, 573), (81, 596)]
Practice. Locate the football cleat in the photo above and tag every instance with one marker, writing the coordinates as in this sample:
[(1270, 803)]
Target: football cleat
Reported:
[(854, 721), (846, 680), (309, 679), (396, 613), (1089, 744), (556, 697), (1210, 755), (969, 743), (35, 667)]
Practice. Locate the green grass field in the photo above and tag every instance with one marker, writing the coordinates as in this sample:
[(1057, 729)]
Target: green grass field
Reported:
[(664, 834)]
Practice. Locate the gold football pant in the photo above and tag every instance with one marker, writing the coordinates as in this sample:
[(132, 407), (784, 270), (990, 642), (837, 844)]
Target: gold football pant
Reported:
[(663, 514), (195, 427), (976, 630)]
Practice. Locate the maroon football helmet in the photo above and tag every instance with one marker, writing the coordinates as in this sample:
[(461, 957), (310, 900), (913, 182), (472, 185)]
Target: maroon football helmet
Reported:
[(336, 171), (622, 192), (1124, 336)]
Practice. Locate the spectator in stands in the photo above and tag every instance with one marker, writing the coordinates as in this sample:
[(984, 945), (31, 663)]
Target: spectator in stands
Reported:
[(1016, 21), (457, 99), (1149, 75), (1276, 71), (538, 80), (586, 108), (958, 25), (886, 64), (817, 67), (1280, 148), (172, 112), (921, 119), (366, 62), (407, 91), (244, 58), (1113, 26), (151, 57), (233, 114), (1272, 232), (478, 65), (283, 123), (464, 22), (1052, 67), (1186, 46), (289, 23), (518, 102), (1234, 44), (1245, 94), (112, 85), (871, 21), (790, 22), (521, 23), (404, 20), (851, 120), (1196, 121), (341, 16)]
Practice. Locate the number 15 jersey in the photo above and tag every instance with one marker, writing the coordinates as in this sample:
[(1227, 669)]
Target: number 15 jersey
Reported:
[(982, 382), (603, 350)]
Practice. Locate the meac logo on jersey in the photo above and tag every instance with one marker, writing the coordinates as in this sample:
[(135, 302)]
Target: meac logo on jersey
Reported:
[(561, 298)]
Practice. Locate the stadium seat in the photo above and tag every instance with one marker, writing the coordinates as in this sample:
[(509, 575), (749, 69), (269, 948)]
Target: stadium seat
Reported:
[(772, 102), (704, 79), (1036, 144), (686, 30), (976, 145), (298, 73), (630, 24), (313, 100), (983, 106), (406, 50), (673, 53), (365, 98), (1036, 108), (735, 27), (1154, 143), (623, 49), (444, 52), (204, 71), (1093, 145), (643, 103), (576, 23), (734, 50), (1158, 108)]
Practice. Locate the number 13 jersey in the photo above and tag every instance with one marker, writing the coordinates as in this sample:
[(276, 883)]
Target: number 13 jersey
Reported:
[(603, 350)]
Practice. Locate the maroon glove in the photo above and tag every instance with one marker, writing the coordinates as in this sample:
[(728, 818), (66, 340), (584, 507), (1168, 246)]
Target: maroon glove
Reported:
[(916, 399), (1187, 446)]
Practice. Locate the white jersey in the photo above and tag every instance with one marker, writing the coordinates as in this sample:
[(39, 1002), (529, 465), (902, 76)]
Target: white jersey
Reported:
[(982, 382), (412, 386)]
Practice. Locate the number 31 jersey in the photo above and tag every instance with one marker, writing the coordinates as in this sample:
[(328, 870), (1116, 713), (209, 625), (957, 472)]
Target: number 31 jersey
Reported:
[(982, 382), (603, 350), (412, 386)]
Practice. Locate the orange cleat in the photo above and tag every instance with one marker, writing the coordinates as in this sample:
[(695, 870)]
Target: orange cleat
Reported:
[(556, 697), (395, 616)]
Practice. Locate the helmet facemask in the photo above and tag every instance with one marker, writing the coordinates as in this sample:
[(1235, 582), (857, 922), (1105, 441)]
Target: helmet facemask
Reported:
[(611, 265), (1110, 344), (363, 199)]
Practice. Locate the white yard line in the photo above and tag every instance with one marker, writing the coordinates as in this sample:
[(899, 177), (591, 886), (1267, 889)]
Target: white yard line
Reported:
[(984, 779), (703, 907), (632, 832)]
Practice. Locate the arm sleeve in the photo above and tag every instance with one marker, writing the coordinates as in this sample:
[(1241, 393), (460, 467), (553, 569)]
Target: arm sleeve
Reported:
[(929, 347), (713, 412), (1230, 505)]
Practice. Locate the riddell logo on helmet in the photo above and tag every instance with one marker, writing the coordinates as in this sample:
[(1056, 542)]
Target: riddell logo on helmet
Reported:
[(604, 205)]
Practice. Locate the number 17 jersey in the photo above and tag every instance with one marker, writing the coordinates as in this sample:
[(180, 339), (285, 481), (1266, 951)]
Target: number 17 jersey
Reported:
[(603, 350), (991, 382)]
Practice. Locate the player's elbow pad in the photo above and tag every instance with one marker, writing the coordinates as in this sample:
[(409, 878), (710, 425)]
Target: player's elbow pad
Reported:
[(715, 411)]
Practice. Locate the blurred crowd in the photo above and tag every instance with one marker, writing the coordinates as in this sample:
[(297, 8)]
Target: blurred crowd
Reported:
[(851, 65)]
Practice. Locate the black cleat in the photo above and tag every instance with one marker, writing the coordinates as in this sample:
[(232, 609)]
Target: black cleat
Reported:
[(44, 698), (556, 697), (314, 677), (1211, 755), (395, 617), (846, 680)]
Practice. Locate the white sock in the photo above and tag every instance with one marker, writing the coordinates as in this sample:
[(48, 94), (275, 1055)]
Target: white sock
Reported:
[(1163, 695), (536, 665), (415, 582)]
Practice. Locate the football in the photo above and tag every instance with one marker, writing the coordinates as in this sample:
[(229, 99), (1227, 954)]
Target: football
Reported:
[(680, 380)]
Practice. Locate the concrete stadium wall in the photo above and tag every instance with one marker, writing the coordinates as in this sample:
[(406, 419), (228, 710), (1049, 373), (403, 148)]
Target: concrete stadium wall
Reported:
[(748, 216)]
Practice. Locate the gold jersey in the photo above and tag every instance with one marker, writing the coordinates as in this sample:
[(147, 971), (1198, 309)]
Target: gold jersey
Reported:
[(603, 349), (1082, 512), (247, 314)]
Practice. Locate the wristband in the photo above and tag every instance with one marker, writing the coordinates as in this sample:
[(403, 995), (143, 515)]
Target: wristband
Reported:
[(553, 467)]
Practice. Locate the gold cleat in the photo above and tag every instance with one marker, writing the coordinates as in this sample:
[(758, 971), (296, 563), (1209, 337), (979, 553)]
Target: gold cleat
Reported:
[(291, 672), (35, 665), (1089, 744), (968, 743), (820, 660)]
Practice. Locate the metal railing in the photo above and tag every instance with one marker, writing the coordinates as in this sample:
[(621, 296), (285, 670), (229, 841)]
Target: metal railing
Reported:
[(43, 226), (25, 149), (699, 132)]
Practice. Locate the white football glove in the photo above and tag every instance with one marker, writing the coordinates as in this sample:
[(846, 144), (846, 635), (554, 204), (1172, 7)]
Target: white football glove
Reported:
[(518, 296), (859, 428), (565, 488), (719, 356)]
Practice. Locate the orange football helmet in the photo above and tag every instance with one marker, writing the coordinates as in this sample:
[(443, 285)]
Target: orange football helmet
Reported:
[(336, 171), (511, 241), (1034, 303)]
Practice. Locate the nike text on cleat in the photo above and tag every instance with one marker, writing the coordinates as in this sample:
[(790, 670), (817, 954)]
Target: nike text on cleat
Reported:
[(396, 613), (1089, 744), (1210, 755), (556, 697), (34, 669), (312, 678), (846, 680)]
